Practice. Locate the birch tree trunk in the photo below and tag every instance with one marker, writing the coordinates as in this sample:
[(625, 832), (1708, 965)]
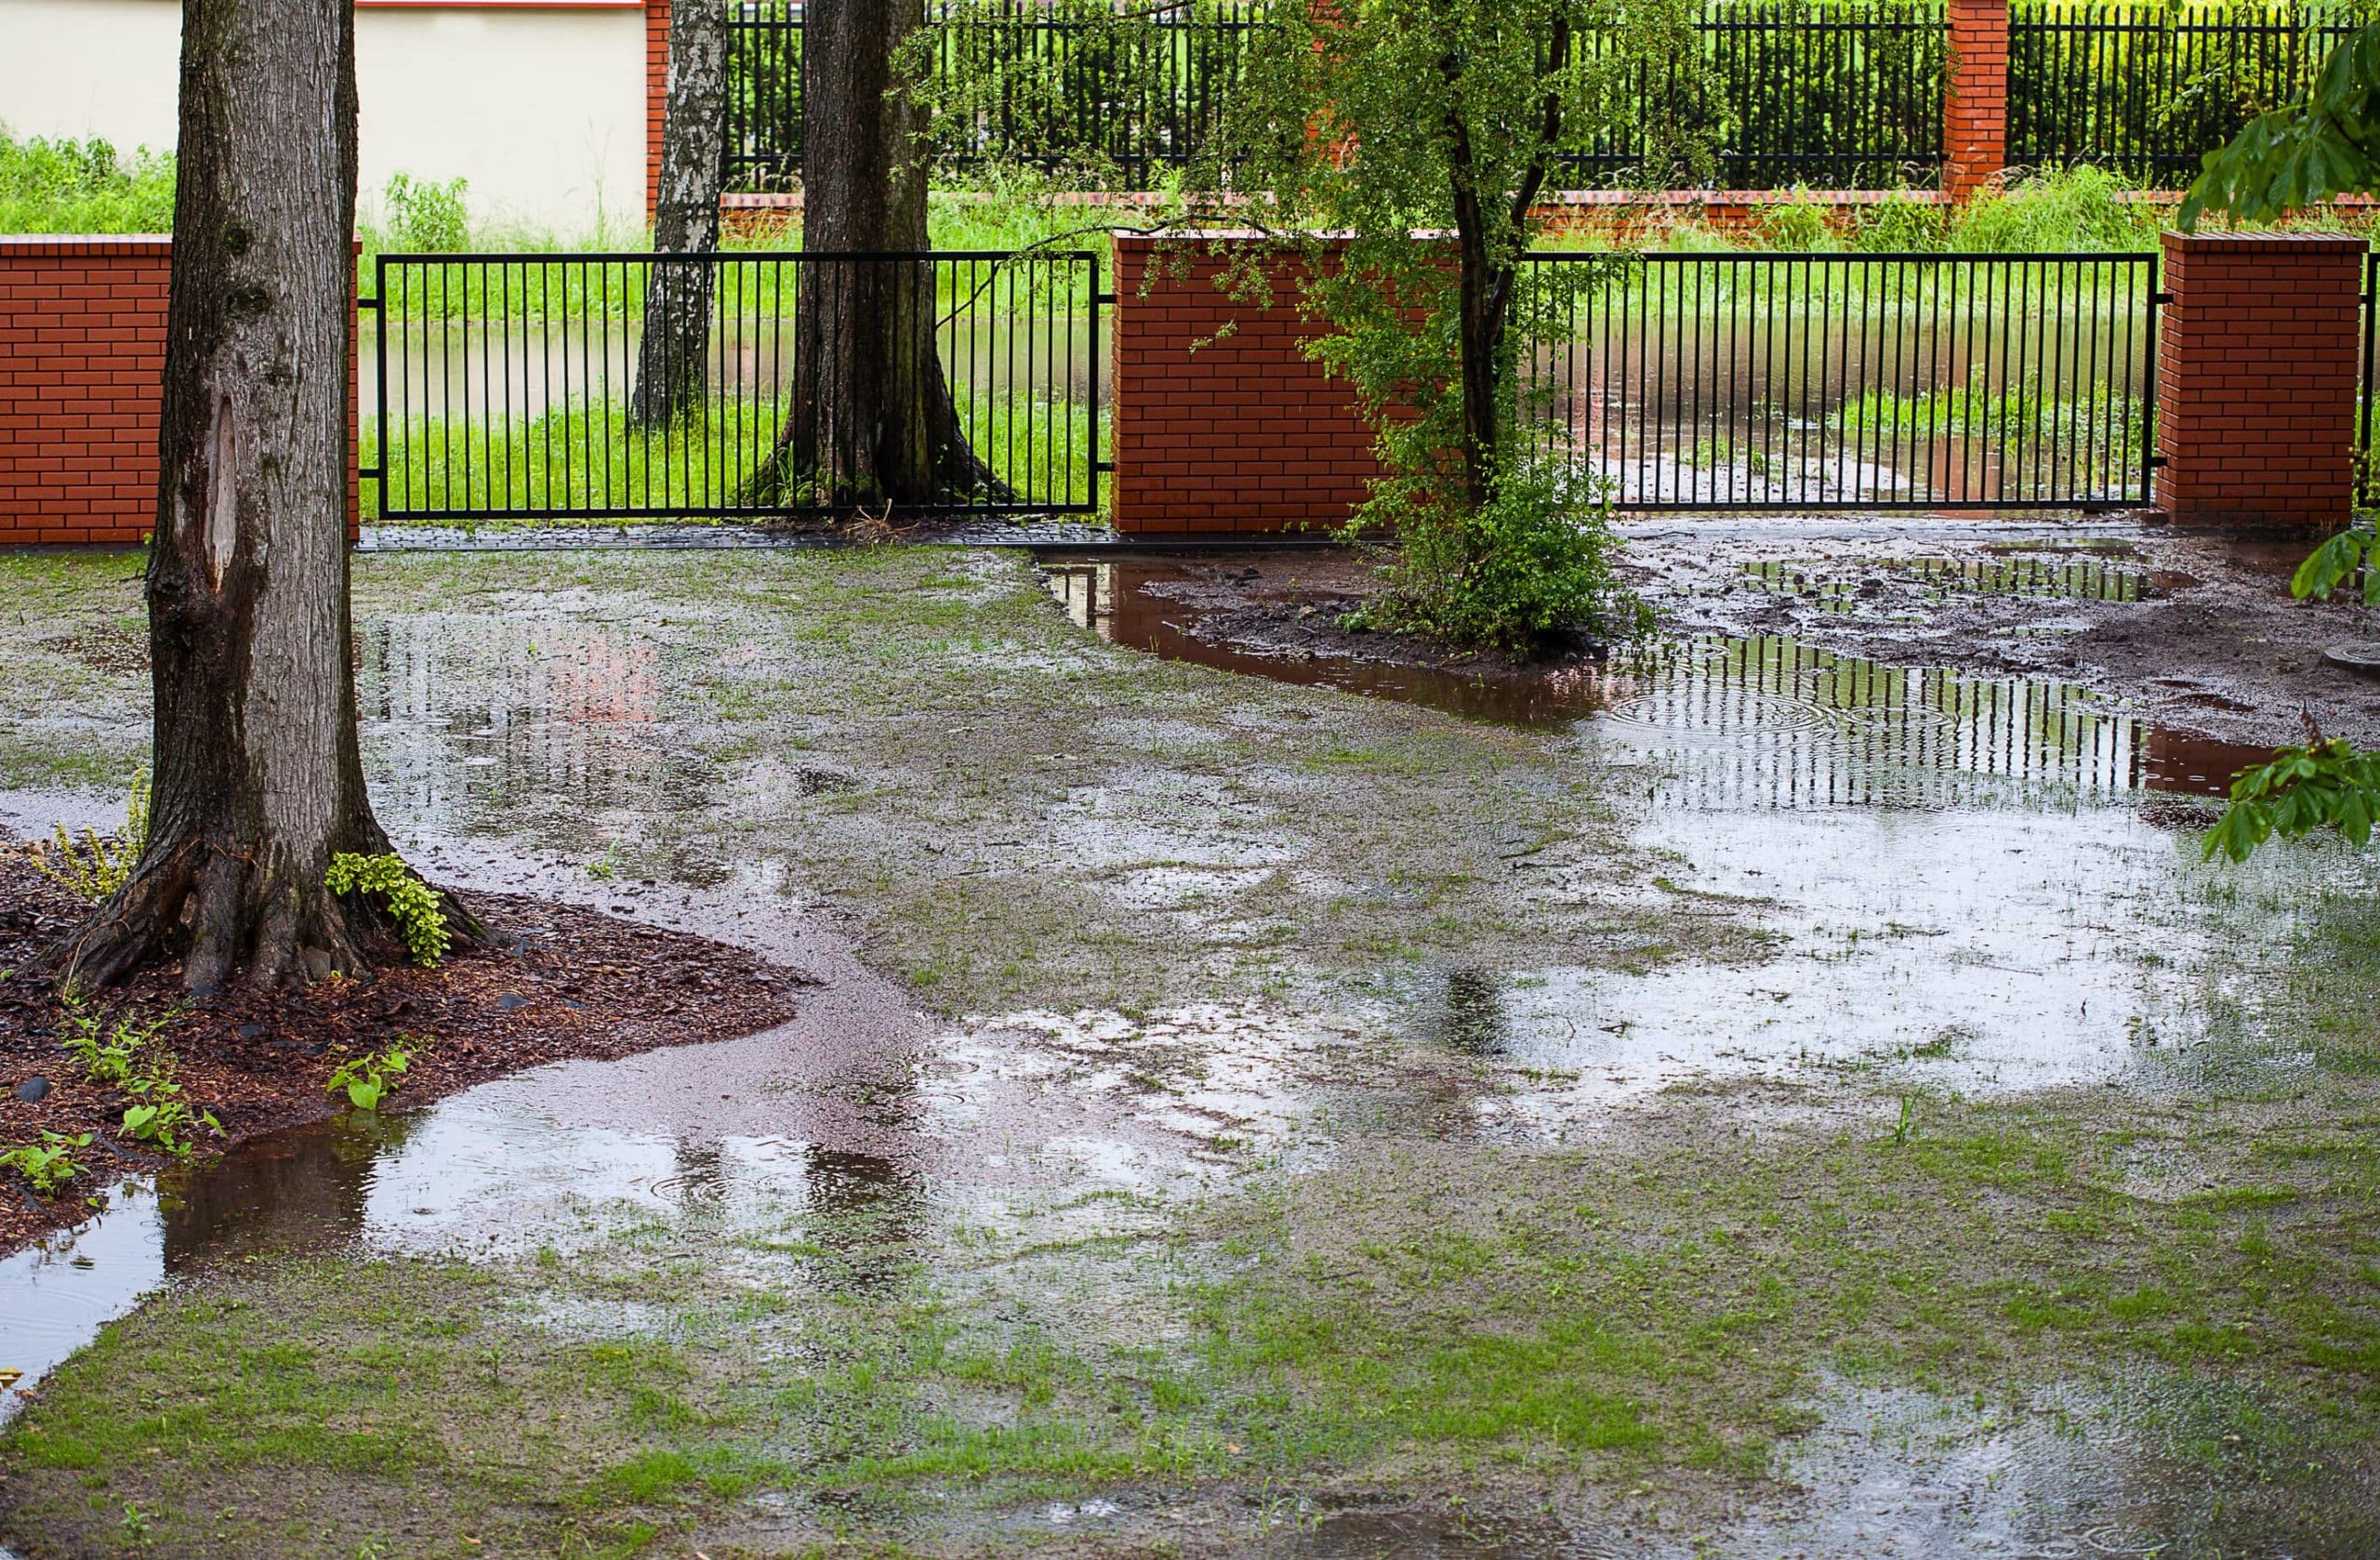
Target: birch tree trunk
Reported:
[(672, 359), (259, 779), (871, 418)]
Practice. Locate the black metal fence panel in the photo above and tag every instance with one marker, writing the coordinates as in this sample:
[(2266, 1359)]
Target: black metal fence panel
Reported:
[(2148, 90), (1123, 98), (1834, 94), (2367, 489), (1776, 381), (518, 386)]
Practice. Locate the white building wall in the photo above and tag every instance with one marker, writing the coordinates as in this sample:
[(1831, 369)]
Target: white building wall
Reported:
[(540, 106)]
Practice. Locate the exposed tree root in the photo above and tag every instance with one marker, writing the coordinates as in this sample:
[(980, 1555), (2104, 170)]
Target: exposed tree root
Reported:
[(227, 916)]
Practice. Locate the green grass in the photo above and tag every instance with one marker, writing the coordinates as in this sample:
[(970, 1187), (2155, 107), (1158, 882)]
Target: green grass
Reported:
[(83, 186), (589, 457)]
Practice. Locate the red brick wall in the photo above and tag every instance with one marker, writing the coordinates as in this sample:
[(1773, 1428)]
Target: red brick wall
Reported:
[(1243, 433), (2257, 378), (657, 97), (82, 353), (1975, 104), (82, 362)]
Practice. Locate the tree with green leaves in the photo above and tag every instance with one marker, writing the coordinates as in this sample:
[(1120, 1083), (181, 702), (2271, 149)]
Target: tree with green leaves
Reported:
[(2324, 145), (1397, 149)]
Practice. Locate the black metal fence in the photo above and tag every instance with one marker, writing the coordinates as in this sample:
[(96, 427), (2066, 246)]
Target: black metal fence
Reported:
[(1120, 94), (1830, 93), (2148, 90), (1835, 94), (1777, 381), (2367, 491), (517, 387)]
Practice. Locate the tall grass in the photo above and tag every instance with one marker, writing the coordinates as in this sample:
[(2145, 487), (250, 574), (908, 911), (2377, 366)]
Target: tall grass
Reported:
[(84, 187)]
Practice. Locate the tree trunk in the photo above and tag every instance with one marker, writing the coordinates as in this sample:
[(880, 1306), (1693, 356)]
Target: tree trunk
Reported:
[(871, 418), (673, 358), (259, 779)]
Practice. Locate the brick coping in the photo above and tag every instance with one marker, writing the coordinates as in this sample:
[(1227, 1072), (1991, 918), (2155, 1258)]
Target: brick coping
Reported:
[(84, 243)]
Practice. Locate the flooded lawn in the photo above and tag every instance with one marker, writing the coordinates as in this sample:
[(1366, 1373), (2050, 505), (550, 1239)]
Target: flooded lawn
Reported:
[(1738, 1096)]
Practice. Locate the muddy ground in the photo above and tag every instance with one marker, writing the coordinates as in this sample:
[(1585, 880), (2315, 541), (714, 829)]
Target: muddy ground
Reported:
[(558, 982), (2193, 632), (1706, 1117)]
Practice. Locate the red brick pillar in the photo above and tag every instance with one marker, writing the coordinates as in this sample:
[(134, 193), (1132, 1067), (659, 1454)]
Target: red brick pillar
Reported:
[(1219, 420), (1975, 103), (656, 98), (2257, 378)]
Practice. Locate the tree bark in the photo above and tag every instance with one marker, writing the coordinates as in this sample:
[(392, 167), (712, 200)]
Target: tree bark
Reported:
[(673, 357), (1490, 257), (871, 418), (259, 778)]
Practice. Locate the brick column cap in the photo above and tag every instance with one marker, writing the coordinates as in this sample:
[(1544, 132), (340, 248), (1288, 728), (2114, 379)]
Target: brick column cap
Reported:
[(2317, 243)]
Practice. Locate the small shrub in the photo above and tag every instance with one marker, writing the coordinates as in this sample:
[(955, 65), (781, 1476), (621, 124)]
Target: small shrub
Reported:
[(368, 1080), (91, 867), (1534, 560), (411, 904), (1797, 227), (48, 1165), (425, 217)]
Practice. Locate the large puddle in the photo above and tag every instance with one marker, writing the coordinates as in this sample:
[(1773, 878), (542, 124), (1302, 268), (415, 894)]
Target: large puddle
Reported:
[(1962, 884)]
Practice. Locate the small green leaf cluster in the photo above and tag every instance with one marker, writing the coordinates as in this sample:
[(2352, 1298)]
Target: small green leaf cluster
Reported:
[(2318, 784), (125, 1058), (411, 904), (48, 1165), (369, 1078), (2322, 784), (91, 867)]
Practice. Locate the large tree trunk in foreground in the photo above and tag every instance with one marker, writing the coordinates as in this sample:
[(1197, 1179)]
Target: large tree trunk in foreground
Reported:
[(672, 359), (871, 418), (259, 779)]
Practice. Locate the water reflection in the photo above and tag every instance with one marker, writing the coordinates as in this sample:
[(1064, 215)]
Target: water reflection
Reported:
[(486, 1174), (1758, 722), (473, 718)]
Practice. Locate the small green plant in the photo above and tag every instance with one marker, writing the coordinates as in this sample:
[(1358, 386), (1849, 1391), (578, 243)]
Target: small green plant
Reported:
[(369, 1078), (426, 217), (93, 867), (48, 1165), (1900, 1128), (109, 1057), (604, 868), (158, 1114), (411, 904), (124, 1057)]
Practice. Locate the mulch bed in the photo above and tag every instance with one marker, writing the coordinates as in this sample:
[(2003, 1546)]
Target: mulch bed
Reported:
[(563, 983)]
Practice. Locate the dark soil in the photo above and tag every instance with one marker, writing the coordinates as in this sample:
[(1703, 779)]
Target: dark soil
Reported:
[(561, 983), (2214, 644)]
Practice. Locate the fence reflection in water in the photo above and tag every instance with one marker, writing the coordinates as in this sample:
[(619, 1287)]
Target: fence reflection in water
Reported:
[(1844, 380), (507, 386)]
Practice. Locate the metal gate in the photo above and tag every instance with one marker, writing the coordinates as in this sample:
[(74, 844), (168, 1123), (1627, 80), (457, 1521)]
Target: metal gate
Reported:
[(507, 386), (1843, 381)]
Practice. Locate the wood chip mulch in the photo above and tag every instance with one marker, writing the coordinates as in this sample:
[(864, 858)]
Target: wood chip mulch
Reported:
[(563, 983)]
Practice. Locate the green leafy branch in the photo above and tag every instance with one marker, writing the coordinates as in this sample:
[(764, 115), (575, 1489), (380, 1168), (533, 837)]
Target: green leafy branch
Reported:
[(2326, 144), (411, 904)]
